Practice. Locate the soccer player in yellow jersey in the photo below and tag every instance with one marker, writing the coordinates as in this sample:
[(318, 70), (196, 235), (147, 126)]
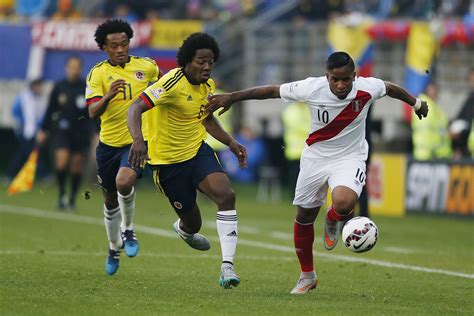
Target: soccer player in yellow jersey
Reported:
[(111, 87), (181, 160)]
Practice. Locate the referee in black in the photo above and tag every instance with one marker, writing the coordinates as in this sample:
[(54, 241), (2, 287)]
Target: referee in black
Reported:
[(66, 125)]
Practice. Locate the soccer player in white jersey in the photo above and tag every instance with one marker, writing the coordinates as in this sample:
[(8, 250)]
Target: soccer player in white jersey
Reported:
[(335, 151)]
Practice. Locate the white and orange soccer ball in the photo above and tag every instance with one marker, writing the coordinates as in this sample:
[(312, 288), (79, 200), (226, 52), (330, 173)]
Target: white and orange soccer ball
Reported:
[(360, 234)]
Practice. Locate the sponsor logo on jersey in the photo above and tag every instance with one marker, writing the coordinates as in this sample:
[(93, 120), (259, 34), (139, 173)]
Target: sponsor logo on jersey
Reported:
[(88, 90)]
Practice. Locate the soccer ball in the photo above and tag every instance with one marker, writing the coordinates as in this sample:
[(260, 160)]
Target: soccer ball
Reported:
[(360, 234)]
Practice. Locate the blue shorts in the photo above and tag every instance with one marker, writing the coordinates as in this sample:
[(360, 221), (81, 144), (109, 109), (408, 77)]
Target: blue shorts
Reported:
[(109, 160), (180, 181)]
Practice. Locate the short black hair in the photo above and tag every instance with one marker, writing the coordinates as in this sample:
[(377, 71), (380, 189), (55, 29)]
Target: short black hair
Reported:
[(338, 60), (194, 42), (111, 26)]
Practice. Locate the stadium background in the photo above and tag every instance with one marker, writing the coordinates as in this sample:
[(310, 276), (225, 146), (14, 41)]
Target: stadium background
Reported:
[(270, 42)]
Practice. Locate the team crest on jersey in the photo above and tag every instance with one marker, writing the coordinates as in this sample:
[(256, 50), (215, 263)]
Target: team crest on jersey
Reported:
[(157, 92), (356, 105), (178, 205), (139, 75)]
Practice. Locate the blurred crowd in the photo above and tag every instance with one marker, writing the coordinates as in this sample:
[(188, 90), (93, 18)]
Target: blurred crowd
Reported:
[(224, 10)]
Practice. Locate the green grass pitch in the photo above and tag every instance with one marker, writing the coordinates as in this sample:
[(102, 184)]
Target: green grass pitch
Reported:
[(52, 263)]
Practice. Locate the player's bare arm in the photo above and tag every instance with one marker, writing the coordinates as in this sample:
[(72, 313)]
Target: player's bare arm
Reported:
[(397, 92), (225, 100), (214, 128), (138, 152), (98, 108)]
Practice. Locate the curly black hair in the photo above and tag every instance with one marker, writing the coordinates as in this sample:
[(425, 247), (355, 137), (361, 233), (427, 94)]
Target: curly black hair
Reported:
[(194, 42), (339, 59), (111, 26)]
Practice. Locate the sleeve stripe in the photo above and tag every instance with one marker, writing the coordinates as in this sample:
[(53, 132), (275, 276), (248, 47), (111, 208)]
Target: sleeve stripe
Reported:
[(146, 99), (93, 99)]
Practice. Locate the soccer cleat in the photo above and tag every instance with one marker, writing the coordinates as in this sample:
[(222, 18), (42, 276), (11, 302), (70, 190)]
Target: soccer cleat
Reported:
[(130, 243), (331, 234), (304, 285), (63, 203), (196, 241), (112, 262), (228, 278)]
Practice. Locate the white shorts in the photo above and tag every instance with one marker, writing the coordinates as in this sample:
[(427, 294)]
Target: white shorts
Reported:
[(317, 174)]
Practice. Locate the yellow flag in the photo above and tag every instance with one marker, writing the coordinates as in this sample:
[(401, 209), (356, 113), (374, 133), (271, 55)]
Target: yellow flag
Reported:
[(24, 179)]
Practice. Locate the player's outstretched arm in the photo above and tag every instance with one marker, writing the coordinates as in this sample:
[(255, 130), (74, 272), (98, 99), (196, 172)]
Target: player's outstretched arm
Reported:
[(225, 100), (397, 92), (138, 152), (214, 128)]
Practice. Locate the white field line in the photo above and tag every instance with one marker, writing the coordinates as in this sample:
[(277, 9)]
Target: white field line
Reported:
[(263, 245), (46, 252)]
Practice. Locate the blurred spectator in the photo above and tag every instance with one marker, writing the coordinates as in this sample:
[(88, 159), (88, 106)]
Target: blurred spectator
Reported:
[(7, 8), (31, 9), (91, 8), (255, 157), (66, 10), (430, 135), (124, 12), (462, 129), (296, 124), (70, 131), (28, 112)]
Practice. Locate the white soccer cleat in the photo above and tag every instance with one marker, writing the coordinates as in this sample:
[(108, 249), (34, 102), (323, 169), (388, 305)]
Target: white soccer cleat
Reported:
[(304, 285), (196, 241), (228, 277)]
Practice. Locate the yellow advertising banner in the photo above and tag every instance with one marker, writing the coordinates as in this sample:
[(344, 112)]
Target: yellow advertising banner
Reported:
[(170, 34), (386, 184), (460, 199)]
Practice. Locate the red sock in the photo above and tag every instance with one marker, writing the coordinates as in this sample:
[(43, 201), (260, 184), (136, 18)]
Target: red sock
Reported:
[(303, 238), (334, 216)]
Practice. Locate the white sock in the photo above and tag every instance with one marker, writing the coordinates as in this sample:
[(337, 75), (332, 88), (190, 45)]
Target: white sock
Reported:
[(227, 230), (127, 208), (112, 220), (182, 232)]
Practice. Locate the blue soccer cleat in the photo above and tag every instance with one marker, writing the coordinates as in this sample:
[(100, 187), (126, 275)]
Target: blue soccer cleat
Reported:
[(112, 262), (130, 243)]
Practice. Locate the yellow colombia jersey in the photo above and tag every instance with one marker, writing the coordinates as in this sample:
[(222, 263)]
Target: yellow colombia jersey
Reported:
[(138, 73), (175, 124)]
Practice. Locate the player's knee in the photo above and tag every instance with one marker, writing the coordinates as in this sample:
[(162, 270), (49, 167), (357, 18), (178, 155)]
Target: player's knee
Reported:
[(343, 206), (124, 184)]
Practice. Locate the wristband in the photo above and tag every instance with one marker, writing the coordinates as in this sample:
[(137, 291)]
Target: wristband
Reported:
[(417, 104)]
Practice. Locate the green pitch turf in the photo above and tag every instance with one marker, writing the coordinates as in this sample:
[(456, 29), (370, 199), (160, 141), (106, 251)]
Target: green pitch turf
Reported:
[(52, 263)]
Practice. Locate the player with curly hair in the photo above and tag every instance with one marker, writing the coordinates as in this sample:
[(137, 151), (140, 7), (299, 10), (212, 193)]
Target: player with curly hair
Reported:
[(181, 161)]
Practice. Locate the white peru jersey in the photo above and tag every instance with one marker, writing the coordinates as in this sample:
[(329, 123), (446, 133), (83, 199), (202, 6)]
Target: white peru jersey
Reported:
[(337, 126)]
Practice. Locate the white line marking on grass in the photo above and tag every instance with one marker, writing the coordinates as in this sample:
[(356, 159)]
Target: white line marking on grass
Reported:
[(46, 252), (257, 244)]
